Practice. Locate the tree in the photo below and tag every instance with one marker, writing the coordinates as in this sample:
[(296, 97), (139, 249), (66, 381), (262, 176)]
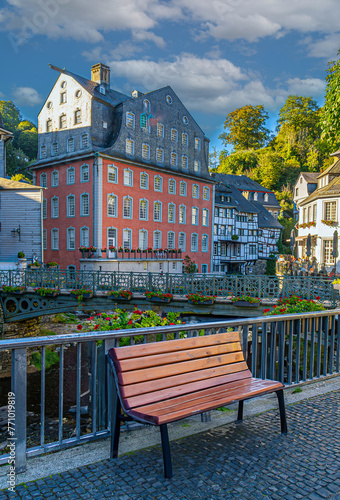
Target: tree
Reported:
[(190, 266), (10, 114), (237, 163), (330, 121), (246, 128), (300, 112)]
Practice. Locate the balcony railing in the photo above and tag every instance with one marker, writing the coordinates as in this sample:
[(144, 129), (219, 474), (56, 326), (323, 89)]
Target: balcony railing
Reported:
[(290, 348), (135, 254)]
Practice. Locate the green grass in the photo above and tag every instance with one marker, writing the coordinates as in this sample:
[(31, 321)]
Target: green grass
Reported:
[(46, 331), (223, 408), (185, 425), (297, 390), (65, 318), (51, 358)]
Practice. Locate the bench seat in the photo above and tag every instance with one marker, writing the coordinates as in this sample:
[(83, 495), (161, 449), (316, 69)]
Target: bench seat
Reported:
[(162, 382)]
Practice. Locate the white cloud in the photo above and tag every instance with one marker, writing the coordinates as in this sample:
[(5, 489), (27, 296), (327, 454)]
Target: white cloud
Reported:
[(326, 47), (26, 96), (212, 86)]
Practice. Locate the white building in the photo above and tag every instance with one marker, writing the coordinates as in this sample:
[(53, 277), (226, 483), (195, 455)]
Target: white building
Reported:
[(319, 216)]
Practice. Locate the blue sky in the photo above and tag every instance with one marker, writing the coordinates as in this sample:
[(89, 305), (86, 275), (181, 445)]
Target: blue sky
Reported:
[(217, 55)]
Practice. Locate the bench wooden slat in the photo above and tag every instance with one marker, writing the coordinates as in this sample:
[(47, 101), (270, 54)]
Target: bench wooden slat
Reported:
[(199, 407), (169, 370), (176, 357), (186, 388), (136, 351), (174, 382)]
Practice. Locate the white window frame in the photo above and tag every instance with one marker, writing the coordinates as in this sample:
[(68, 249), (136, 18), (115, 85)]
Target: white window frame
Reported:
[(206, 193), (182, 214), (146, 217), (85, 173), (112, 174), (130, 147), (69, 171), (130, 119), (68, 230), (144, 175), (130, 215), (144, 245), (83, 197), (184, 185), (206, 212), (82, 242), (62, 121), (157, 232), (146, 151), (205, 248), (171, 246), (54, 208), (197, 143), (130, 178), (158, 177), (70, 140), (43, 180), (181, 235), (171, 213), (43, 151), (115, 205), (54, 148), (84, 141), (49, 125), (174, 135), (173, 158), (173, 183), (111, 240), (55, 178), (54, 231), (185, 139), (194, 218), (68, 198), (160, 211), (77, 116), (160, 130), (159, 155), (197, 166), (195, 188), (127, 231), (194, 239), (44, 208), (185, 162)]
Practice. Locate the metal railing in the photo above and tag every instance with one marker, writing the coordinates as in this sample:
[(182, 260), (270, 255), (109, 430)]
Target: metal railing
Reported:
[(264, 287), (289, 348)]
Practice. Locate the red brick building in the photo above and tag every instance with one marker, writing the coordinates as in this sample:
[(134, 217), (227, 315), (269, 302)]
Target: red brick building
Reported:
[(122, 171)]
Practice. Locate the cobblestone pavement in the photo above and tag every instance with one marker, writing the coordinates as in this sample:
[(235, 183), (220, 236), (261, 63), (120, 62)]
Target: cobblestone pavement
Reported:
[(244, 461)]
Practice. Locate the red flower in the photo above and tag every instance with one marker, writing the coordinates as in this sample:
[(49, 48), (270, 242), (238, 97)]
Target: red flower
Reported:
[(96, 327), (79, 327), (99, 314), (107, 319), (274, 306), (317, 298), (90, 318), (130, 322), (171, 323)]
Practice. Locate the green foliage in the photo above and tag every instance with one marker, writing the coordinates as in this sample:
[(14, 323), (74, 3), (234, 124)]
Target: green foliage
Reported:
[(51, 358), (22, 151), (271, 267), (64, 318), (246, 128), (238, 162), (330, 111), (20, 177), (297, 390), (294, 304), (223, 408)]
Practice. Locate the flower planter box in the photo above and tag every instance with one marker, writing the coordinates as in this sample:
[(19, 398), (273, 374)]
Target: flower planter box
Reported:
[(244, 303), (166, 300), (87, 295), (34, 267), (52, 267), (205, 303), (18, 292), (119, 298)]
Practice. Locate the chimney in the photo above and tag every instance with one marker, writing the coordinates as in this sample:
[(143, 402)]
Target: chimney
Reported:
[(101, 74)]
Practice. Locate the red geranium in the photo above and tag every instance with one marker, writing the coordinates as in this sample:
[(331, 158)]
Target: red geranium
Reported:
[(96, 327), (79, 327)]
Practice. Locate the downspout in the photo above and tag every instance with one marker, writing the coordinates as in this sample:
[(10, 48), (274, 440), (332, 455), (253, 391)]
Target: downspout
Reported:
[(212, 229), (95, 201)]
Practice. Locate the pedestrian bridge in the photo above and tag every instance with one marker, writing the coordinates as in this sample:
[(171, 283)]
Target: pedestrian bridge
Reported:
[(28, 304)]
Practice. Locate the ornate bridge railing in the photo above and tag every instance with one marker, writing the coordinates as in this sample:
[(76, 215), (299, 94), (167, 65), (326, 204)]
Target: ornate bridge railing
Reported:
[(290, 348), (264, 287)]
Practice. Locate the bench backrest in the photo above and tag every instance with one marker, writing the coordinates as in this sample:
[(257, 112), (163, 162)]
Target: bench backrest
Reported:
[(149, 373)]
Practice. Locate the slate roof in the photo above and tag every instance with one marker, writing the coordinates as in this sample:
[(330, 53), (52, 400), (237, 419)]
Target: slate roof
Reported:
[(332, 189), (242, 182), (111, 96), (333, 169), (265, 218), (238, 201), (9, 184), (310, 176)]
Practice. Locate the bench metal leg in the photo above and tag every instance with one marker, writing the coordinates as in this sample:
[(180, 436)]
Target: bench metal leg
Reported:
[(166, 451), (115, 427), (240, 411), (283, 419)]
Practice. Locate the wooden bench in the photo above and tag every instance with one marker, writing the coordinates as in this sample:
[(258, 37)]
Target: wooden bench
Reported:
[(162, 382)]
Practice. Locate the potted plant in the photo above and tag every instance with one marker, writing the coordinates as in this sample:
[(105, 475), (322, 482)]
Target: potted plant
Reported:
[(34, 265), (113, 252), (82, 293), (47, 292), (52, 265), (201, 299), (21, 255), (18, 290), (159, 296), (120, 294), (83, 250), (235, 237), (245, 301), (103, 250)]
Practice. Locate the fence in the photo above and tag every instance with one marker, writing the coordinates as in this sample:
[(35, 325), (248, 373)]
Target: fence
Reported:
[(289, 348), (268, 287)]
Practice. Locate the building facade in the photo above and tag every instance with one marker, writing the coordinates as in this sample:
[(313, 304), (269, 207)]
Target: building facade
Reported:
[(122, 171), (319, 216)]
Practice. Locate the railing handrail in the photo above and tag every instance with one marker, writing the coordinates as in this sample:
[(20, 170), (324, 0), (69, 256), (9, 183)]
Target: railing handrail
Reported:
[(115, 334)]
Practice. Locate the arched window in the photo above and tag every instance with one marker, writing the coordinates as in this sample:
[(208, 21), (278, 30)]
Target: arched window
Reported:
[(49, 125), (194, 242), (62, 121), (181, 241), (84, 236), (111, 205), (70, 206), (158, 183), (157, 211), (77, 116), (84, 205), (144, 180), (54, 207), (143, 239), (157, 239), (171, 240), (70, 145), (71, 238), (71, 175), (143, 209), (171, 212), (127, 207), (182, 214)]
